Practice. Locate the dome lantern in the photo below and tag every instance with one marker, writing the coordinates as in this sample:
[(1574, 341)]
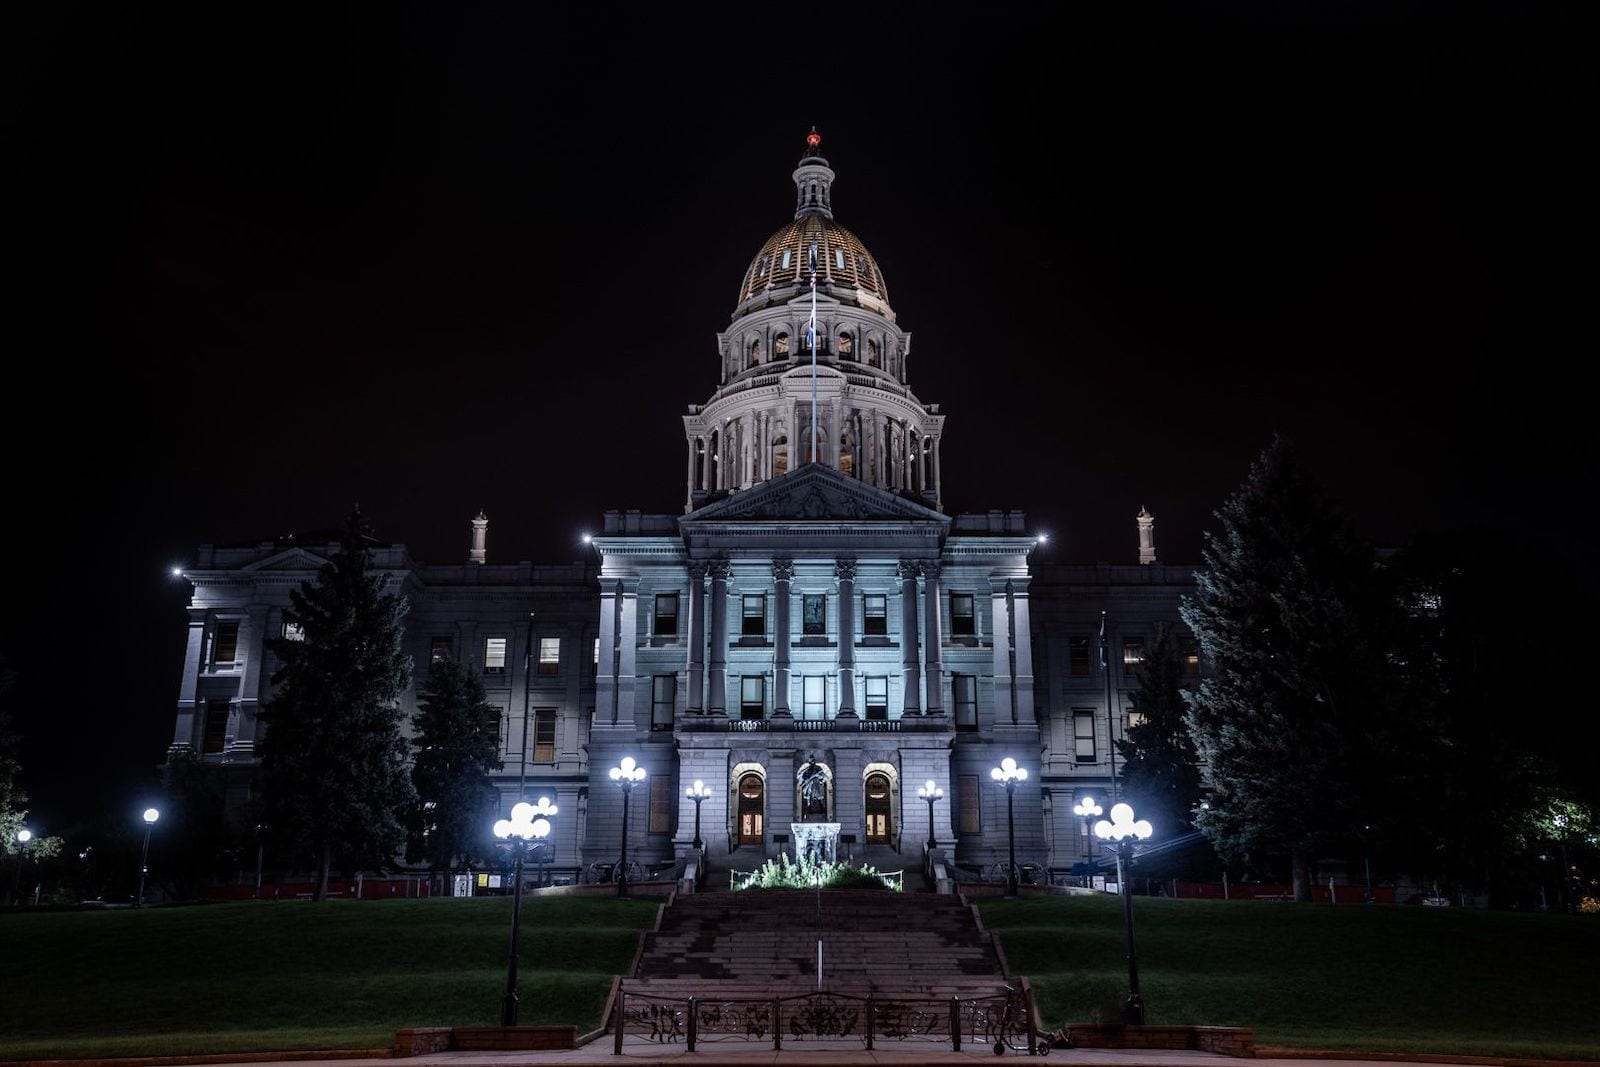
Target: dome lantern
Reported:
[(813, 181)]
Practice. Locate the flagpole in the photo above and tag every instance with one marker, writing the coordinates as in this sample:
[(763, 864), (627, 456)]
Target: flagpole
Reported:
[(813, 351), (1111, 713)]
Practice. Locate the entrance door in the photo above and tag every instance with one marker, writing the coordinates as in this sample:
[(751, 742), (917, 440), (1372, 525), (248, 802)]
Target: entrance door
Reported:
[(751, 789), (879, 808)]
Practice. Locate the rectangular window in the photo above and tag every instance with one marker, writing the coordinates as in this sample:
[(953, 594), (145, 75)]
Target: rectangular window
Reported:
[(1078, 657), (493, 717), (877, 698), (814, 615), (661, 797), (1083, 734), (494, 655), (544, 735), (814, 696), (595, 656), (293, 631), (216, 736), (225, 644), (1135, 718), (875, 614), (549, 655), (440, 648), (964, 687), (754, 621), (663, 698), (1189, 656), (1132, 655), (963, 621), (752, 697), (971, 805), (666, 615)]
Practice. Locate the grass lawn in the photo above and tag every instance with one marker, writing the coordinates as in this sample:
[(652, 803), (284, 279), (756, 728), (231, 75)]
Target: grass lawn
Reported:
[(1396, 979), (283, 975)]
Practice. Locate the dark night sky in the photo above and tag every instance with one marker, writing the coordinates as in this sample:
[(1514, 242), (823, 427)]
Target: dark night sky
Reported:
[(271, 263)]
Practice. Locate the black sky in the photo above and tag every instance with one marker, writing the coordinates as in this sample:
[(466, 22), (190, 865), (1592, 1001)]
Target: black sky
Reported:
[(269, 262)]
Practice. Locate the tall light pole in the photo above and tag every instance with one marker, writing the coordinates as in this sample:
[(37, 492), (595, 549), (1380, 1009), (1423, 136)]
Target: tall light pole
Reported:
[(1124, 830), (627, 774), (697, 793), (150, 817), (261, 829), (1009, 775), (519, 835), (23, 837), (931, 793), (1086, 809)]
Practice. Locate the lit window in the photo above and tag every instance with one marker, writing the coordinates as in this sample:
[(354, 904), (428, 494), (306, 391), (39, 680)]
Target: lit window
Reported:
[(544, 735), (838, 257), (1189, 655), (877, 698), (1132, 655), (1078, 657), (963, 621), (786, 255), (875, 614), (1083, 735), (1135, 718), (494, 655), (814, 614), (964, 688), (663, 698), (549, 655), (666, 615), (971, 809), (814, 697), (595, 659), (293, 631), (754, 621), (753, 697), (225, 644), (440, 648)]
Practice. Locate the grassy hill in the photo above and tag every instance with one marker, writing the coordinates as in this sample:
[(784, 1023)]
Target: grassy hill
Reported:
[(1398, 979), (281, 975)]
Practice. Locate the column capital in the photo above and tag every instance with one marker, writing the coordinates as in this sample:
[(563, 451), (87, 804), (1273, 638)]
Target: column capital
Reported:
[(697, 569), (908, 570), (782, 569), (844, 568), (930, 569), (719, 569)]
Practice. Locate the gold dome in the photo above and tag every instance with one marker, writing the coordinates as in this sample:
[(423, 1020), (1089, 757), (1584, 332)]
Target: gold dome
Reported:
[(845, 269)]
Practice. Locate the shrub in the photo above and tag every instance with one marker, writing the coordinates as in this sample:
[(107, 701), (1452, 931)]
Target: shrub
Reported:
[(803, 873)]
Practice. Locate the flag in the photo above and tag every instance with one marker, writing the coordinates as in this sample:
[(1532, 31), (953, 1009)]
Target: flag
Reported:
[(1102, 640)]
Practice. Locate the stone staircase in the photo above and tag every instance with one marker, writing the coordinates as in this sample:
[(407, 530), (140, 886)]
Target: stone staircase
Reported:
[(763, 943)]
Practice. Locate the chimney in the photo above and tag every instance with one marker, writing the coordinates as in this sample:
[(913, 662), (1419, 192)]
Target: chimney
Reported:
[(1147, 536), (480, 537)]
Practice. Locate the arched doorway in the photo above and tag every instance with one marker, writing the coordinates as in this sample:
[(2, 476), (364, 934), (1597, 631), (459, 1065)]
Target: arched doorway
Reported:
[(752, 792), (880, 808)]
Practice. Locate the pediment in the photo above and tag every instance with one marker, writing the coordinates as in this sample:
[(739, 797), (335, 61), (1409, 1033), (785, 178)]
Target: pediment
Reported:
[(815, 492), (293, 559)]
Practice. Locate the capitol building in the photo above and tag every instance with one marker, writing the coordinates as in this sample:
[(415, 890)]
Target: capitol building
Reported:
[(813, 638)]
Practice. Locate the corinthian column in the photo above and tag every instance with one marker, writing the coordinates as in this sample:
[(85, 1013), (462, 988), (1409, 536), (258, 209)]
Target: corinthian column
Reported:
[(933, 651), (844, 569), (717, 700), (697, 636), (782, 576), (908, 637)]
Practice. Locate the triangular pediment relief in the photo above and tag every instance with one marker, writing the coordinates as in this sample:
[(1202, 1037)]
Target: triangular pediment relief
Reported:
[(815, 492), (293, 559)]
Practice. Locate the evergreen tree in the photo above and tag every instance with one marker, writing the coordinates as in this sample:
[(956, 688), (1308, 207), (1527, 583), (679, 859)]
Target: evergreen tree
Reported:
[(1161, 773), (333, 761), (12, 796), (1285, 719), (458, 746)]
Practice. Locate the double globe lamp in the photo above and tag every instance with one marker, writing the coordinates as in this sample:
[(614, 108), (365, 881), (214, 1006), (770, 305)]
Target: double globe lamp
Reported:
[(1123, 830)]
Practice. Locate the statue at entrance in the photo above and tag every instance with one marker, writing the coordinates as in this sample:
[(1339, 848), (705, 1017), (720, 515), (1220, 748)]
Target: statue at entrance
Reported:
[(813, 791)]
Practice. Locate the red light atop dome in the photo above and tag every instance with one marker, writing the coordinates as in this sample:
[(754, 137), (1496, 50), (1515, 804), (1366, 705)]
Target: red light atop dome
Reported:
[(813, 138)]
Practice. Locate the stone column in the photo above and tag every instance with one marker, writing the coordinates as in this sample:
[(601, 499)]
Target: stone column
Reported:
[(933, 650), (187, 728), (782, 576), (689, 489), (844, 569), (908, 638), (938, 476), (697, 636), (717, 699)]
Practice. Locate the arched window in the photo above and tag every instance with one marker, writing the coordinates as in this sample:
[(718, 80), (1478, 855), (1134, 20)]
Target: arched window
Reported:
[(751, 806), (873, 359), (880, 808), (755, 352), (780, 344), (761, 270), (785, 259), (780, 455), (847, 455), (847, 345)]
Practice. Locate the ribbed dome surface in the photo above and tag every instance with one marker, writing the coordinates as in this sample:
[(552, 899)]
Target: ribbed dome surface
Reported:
[(843, 262)]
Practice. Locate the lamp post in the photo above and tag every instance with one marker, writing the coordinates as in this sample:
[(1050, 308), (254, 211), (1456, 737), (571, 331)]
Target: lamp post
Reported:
[(1086, 809), (697, 793), (1009, 775), (150, 817), (23, 837), (627, 774), (261, 829), (1124, 830), (519, 835), (931, 793)]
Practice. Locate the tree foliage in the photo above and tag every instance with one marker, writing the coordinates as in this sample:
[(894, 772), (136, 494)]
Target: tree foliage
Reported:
[(333, 761), (1288, 719), (1161, 773), (457, 748), (12, 796)]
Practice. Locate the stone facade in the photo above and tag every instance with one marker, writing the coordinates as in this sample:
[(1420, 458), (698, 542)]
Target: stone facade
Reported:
[(800, 620)]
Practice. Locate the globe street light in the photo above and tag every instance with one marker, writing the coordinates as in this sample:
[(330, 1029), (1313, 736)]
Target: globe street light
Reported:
[(1086, 809), (23, 837), (697, 793), (627, 775), (1124, 830), (1010, 775), (519, 835), (150, 817), (931, 793)]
